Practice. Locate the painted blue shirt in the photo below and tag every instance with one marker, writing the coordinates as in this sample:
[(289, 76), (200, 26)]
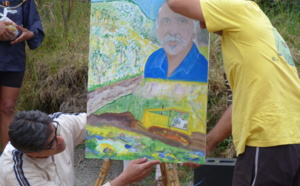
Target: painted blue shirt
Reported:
[(194, 66), (13, 57)]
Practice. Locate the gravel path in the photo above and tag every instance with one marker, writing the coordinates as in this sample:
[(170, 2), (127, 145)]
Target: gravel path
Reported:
[(87, 170)]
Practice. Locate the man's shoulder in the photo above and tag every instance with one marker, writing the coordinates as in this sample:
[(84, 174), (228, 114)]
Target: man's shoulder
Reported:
[(11, 162), (6, 159), (68, 117), (7, 153), (62, 114), (17, 168), (73, 126), (12, 156)]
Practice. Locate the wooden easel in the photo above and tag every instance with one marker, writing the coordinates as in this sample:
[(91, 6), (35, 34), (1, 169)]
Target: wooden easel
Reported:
[(103, 172), (168, 172)]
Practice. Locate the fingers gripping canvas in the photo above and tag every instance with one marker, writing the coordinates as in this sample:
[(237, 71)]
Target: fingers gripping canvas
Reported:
[(147, 85)]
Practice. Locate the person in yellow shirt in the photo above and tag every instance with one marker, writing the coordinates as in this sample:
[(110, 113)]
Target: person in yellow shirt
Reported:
[(264, 117)]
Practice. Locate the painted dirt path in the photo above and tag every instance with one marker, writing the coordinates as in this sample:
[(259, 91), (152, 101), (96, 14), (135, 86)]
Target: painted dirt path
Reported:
[(104, 95)]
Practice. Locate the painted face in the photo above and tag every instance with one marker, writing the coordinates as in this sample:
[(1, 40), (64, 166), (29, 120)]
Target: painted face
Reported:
[(174, 30)]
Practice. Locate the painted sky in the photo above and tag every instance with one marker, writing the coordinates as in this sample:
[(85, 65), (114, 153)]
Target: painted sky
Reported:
[(149, 7)]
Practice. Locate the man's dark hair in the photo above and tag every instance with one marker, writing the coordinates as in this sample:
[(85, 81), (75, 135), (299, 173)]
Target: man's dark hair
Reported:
[(30, 131)]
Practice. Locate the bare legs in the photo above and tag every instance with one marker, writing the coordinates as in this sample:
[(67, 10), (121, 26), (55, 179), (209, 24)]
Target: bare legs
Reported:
[(8, 97)]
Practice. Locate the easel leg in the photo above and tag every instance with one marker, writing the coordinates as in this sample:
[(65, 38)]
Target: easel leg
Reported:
[(103, 172), (169, 174)]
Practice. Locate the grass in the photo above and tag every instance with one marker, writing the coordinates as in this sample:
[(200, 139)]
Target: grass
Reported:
[(56, 75)]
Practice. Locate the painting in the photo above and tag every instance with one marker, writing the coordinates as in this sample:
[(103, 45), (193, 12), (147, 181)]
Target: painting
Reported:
[(147, 84)]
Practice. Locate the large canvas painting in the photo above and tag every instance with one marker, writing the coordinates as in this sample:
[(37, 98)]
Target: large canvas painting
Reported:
[(147, 85)]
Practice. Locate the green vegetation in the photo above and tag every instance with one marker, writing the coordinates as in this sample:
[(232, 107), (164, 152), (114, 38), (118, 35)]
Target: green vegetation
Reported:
[(56, 76)]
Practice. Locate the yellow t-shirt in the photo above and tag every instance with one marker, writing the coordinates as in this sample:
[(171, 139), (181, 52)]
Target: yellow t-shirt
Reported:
[(261, 73)]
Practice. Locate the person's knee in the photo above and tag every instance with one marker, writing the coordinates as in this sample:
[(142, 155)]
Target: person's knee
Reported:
[(7, 108)]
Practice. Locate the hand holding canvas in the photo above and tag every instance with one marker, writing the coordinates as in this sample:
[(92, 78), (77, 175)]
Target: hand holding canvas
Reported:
[(135, 171)]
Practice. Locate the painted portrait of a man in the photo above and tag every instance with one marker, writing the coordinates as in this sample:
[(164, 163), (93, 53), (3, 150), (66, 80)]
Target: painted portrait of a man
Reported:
[(147, 85), (179, 58)]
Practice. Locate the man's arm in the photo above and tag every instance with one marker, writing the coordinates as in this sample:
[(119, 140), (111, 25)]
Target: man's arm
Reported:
[(33, 31), (221, 131), (188, 8), (72, 125), (135, 171)]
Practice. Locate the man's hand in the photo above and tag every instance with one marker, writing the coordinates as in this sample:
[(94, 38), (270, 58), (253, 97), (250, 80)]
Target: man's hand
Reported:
[(26, 35), (135, 171), (6, 34)]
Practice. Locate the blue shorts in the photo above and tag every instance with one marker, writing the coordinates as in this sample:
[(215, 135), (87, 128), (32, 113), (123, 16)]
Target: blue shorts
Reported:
[(268, 166), (11, 79)]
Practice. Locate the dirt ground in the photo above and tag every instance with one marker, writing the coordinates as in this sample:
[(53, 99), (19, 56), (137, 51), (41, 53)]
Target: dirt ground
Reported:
[(87, 170)]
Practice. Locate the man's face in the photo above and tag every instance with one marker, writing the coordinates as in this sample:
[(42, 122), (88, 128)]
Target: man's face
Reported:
[(174, 30), (56, 144)]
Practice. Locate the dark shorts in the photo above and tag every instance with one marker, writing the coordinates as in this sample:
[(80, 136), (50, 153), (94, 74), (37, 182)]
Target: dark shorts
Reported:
[(11, 79), (268, 166)]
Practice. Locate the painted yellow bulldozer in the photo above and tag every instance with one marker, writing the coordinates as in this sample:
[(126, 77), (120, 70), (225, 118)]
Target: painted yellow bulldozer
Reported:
[(173, 124)]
